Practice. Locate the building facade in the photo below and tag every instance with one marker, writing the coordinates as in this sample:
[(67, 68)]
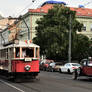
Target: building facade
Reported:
[(83, 15), (24, 28), (5, 24), (27, 26)]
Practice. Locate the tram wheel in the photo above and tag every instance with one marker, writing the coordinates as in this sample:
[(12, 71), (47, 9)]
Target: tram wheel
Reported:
[(17, 80)]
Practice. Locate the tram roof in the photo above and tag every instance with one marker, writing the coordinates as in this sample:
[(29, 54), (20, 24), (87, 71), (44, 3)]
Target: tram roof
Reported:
[(21, 44)]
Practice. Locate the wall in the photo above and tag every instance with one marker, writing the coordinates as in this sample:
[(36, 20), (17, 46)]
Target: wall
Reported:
[(88, 22)]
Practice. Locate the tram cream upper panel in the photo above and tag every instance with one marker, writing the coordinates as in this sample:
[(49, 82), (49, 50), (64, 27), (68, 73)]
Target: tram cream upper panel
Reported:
[(21, 44)]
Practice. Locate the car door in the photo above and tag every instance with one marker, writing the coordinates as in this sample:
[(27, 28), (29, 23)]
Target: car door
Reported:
[(87, 70), (65, 67)]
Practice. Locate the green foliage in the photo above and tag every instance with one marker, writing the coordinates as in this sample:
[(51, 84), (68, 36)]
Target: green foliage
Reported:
[(81, 47), (53, 34)]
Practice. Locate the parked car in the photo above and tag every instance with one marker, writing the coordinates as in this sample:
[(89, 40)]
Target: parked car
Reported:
[(55, 66), (69, 67), (51, 66), (85, 70), (45, 63)]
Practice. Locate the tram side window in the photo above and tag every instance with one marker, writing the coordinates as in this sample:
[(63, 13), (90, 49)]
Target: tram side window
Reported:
[(6, 53), (17, 52), (3, 54)]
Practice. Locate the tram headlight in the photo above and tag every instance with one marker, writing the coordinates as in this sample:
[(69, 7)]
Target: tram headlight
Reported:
[(27, 67)]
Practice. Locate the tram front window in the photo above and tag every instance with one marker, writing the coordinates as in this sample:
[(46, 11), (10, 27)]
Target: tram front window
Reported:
[(27, 52)]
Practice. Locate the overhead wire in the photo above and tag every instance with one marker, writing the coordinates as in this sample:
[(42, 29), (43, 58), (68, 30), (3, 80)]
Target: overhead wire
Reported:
[(32, 1)]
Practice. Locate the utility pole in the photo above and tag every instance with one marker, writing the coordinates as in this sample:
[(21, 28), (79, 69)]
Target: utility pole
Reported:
[(27, 28), (69, 52)]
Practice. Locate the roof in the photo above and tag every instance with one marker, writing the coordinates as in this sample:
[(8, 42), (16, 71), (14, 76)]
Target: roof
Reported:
[(21, 44), (43, 9), (25, 44), (53, 2), (82, 11), (79, 11)]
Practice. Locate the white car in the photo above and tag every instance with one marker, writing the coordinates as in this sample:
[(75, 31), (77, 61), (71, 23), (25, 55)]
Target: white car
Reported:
[(69, 67)]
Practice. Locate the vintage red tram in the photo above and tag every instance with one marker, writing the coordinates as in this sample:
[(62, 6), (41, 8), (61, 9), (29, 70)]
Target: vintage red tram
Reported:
[(15, 64)]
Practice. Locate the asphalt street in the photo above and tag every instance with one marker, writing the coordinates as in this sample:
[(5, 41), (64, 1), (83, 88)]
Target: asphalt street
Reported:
[(49, 82)]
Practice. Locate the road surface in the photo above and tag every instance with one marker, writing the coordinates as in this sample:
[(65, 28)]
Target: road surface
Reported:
[(49, 82)]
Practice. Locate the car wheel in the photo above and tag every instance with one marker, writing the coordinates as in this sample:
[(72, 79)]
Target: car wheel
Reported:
[(52, 70), (47, 69), (74, 75), (44, 69)]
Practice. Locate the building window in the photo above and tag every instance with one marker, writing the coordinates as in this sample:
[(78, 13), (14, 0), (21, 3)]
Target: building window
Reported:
[(84, 27)]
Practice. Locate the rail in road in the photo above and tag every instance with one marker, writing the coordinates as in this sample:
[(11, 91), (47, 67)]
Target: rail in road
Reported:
[(10, 85), (19, 87), (49, 82)]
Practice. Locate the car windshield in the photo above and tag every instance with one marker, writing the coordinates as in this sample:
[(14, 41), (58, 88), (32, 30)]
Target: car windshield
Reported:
[(89, 63), (75, 64)]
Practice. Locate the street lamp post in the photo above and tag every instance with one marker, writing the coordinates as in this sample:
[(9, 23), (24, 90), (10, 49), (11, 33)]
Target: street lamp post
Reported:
[(69, 52), (26, 26), (2, 38)]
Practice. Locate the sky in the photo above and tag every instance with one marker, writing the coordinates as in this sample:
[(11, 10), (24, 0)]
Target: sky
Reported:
[(15, 8)]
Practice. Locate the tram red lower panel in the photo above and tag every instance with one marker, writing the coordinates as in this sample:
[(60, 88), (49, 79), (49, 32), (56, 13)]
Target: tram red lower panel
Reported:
[(19, 66)]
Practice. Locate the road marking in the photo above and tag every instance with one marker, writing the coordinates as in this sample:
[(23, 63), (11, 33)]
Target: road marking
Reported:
[(12, 86)]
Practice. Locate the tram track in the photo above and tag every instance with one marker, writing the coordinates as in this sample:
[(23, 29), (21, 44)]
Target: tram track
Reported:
[(10, 85), (50, 82), (4, 80), (29, 87)]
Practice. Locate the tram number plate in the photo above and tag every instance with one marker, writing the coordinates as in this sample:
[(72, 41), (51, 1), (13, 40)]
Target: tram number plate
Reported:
[(28, 59)]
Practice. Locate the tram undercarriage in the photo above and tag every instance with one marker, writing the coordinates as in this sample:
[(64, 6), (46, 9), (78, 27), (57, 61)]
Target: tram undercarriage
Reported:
[(17, 77)]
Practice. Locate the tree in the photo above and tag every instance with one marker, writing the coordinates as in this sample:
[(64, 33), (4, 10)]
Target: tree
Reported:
[(53, 32), (81, 47)]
